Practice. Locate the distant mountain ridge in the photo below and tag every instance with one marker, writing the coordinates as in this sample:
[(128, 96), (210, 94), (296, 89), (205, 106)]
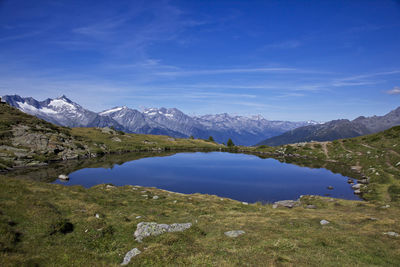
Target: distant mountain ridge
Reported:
[(167, 121), (336, 129)]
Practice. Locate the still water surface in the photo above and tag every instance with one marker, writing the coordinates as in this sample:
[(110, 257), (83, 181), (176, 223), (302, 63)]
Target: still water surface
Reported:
[(238, 176)]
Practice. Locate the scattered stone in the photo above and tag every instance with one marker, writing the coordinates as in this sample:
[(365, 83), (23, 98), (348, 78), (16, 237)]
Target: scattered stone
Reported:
[(363, 181), (356, 186), (63, 177), (116, 139), (373, 219), (129, 255), (245, 203), (156, 197), (221, 199), (324, 222), (394, 234), (138, 217), (274, 206), (134, 188), (398, 164), (175, 201), (287, 203), (385, 206), (109, 186), (311, 207), (97, 216), (144, 191), (350, 181), (330, 187), (357, 191), (234, 233), (145, 229), (145, 196)]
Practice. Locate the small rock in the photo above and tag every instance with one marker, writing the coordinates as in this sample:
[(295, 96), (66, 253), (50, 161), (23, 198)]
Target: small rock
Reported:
[(234, 233), (145, 196), (63, 177), (116, 139), (363, 181), (357, 192), (398, 164), (330, 187), (144, 191), (129, 255), (350, 181), (97, 216), (356, 186), (109, 186), (138, 217), (287, 203), (221, 199), (373, 219), (274, 206), (175, 201), (385, 206), (394, 234), (245, 203), (145, 229), (311, 207), (134, 188), (155, 197), (324, 222)]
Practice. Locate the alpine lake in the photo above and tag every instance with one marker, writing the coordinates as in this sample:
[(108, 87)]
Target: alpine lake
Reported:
[(243, 177)]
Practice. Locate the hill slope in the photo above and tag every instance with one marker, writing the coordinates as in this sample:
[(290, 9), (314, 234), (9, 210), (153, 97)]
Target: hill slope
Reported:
[(26, 140), (336, 129)]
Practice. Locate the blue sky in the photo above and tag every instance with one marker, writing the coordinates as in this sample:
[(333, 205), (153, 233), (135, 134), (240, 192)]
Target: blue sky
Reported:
[(286, 60)]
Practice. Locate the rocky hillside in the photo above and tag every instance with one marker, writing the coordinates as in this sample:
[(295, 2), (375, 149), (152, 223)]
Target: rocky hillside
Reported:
[(26, 140), (336, 129), (163, 121)]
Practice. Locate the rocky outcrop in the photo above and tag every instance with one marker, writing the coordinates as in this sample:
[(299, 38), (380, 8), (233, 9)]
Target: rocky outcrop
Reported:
[(129, 255), (145, 229), (286, 203), (234, 233)]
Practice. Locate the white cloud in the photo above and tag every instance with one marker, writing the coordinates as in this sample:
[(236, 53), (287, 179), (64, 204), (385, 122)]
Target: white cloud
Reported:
[(394, 91)]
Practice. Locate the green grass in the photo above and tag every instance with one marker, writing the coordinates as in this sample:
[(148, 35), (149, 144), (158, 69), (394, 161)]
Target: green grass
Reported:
[(33, 217), (44, 224)]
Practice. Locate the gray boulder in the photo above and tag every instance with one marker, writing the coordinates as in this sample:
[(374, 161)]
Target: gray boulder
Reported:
[(324, 222), (394, 234), (234, 233), (129, 255), (145, 229), (286, 203), (63, 177)]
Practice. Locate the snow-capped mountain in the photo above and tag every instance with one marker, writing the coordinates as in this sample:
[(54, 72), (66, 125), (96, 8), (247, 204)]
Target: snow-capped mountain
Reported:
[(60, 111), (173, 122), (244, 129), (134, 121)]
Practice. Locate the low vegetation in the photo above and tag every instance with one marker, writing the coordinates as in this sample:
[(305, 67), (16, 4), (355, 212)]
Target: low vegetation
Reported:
[(54, 225), (44, 224)]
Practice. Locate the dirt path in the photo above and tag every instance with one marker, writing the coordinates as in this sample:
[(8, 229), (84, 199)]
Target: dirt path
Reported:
[(325, 149), (345, 149)]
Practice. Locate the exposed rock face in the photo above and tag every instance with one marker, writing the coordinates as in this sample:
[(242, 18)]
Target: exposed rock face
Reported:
[(129, 255), (145, 229), (234, 233)]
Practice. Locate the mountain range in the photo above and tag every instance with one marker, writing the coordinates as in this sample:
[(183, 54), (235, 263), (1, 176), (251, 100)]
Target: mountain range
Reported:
[(336, 129), (167, 121)]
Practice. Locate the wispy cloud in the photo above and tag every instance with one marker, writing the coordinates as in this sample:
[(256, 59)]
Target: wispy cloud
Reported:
[(394, 91), (229, 71)]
